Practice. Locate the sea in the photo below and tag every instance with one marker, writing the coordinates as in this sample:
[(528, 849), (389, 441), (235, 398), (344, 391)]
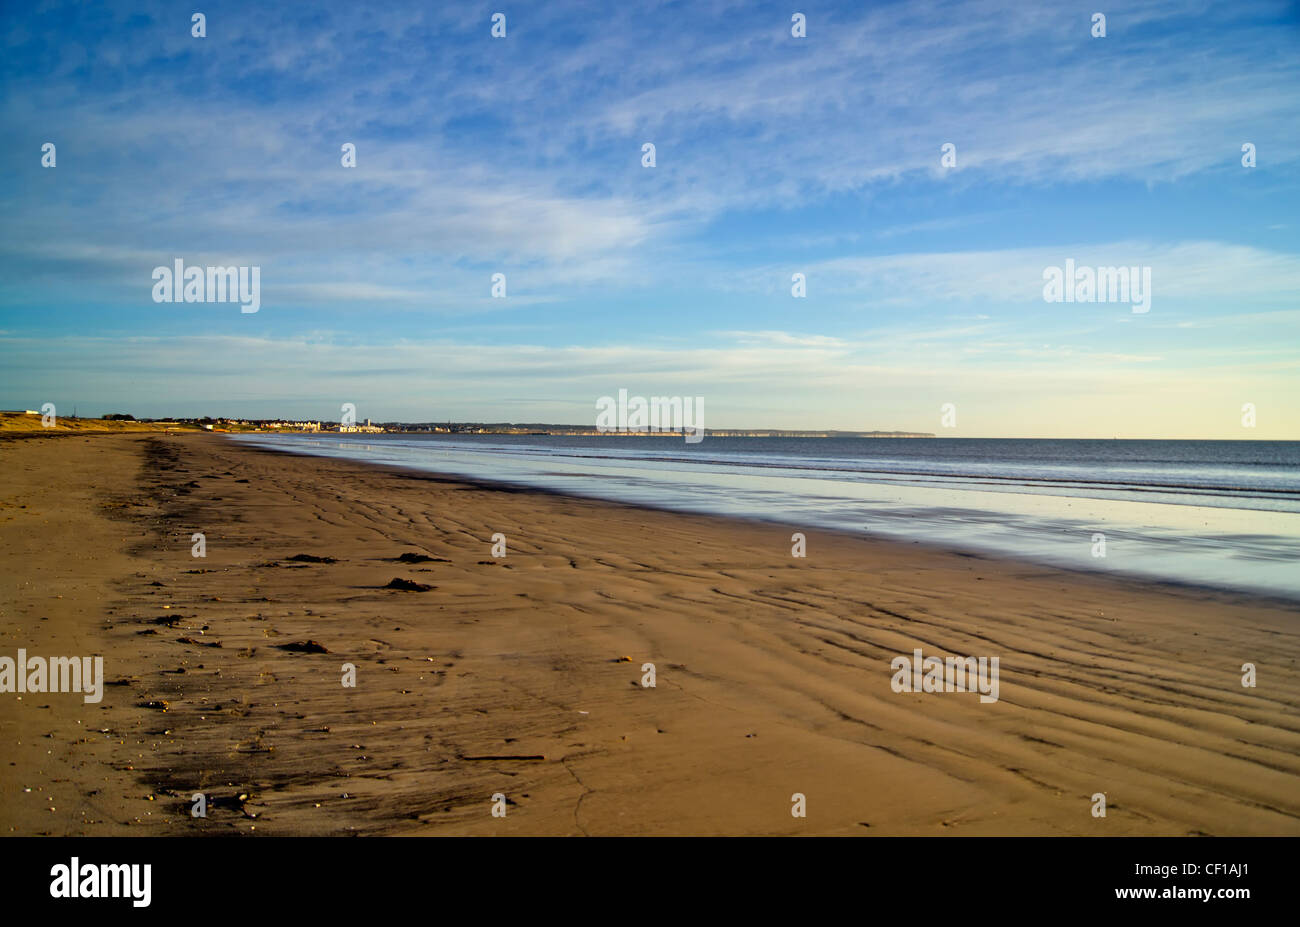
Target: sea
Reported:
[(1219, 514)]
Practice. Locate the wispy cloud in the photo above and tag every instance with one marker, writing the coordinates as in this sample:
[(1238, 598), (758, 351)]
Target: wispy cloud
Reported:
[(522, 156)]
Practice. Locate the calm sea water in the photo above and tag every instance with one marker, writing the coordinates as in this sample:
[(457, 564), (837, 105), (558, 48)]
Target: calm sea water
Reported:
[(1219, 513)]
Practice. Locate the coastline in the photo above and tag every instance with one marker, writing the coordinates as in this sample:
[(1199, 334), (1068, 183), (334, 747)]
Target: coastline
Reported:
[(773, 673), (1223, 593), (1250, 551)]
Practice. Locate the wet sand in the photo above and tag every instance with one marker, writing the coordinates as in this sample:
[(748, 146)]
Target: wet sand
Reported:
[(522, 675)]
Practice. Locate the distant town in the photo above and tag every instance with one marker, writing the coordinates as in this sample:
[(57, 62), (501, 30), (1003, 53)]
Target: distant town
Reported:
[(286, 426)]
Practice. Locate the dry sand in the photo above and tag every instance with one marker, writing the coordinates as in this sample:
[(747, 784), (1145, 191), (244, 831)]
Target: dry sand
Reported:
[(773, 673)]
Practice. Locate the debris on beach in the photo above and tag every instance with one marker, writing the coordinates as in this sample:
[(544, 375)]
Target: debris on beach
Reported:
[(409, 585), (417, 558), (198, 643), (304, 647)]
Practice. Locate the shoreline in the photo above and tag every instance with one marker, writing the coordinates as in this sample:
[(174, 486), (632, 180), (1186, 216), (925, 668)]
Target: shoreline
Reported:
[(773, 673), (1226, 593)]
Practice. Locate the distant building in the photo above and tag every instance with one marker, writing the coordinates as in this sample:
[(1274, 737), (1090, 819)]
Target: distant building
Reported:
[(295, 426), (367, 428)]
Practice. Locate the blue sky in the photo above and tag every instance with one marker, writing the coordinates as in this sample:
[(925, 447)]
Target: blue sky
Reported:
[(775, 155)]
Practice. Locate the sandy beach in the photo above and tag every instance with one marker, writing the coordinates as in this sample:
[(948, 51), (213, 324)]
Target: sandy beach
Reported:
[(522, 675)]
